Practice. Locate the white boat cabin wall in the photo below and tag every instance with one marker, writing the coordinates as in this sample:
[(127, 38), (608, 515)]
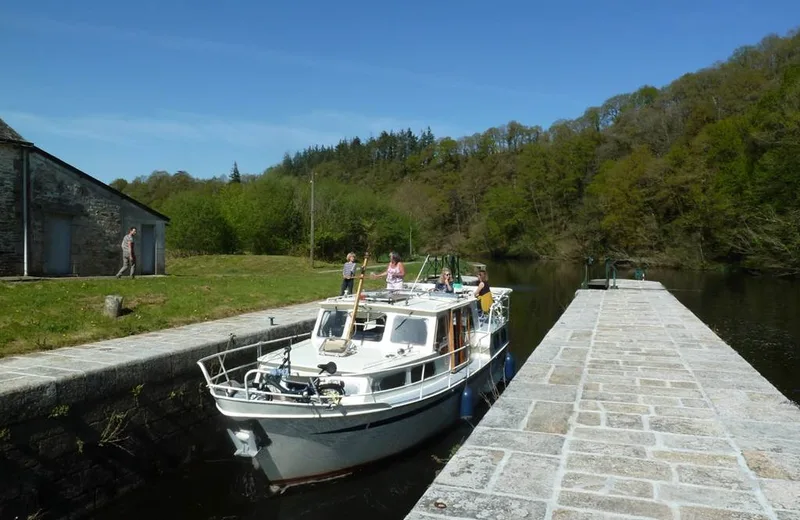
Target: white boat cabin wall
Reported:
[(392, 336)]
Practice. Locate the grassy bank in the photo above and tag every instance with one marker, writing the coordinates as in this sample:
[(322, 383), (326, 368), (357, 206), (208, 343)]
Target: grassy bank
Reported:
[(47, 314)]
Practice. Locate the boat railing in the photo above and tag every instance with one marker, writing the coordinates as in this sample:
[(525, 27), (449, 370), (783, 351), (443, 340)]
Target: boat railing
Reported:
[(221, 378), (214, 366), (257, 373), (499, 310), (224, 389)]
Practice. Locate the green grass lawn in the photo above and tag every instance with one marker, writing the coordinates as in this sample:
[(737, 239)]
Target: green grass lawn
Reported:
[(47, 314)]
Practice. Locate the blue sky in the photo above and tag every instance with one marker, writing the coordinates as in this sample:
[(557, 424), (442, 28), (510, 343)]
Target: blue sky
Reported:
[(120, 89)]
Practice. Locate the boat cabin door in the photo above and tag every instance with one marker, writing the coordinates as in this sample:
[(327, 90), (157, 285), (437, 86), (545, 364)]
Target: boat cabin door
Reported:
[(458, 337)]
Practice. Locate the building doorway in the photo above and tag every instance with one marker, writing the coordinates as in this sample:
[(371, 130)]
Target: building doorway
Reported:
[(57, 245), (148, 260)]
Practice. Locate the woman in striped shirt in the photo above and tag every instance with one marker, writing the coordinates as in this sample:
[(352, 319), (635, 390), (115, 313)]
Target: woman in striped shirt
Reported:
[(348, 274)]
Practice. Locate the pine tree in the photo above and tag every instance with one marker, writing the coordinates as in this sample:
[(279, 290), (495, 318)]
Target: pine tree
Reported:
[(235, 175)]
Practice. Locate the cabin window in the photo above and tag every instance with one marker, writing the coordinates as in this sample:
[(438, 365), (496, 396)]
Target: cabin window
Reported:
[(408, 330), (332, 324), (369, 327), (395, 380), (416, 372), (442, 330)]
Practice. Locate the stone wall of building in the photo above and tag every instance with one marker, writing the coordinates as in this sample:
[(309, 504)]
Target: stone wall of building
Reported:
[(10, 210), (98, 219), (95, 218)]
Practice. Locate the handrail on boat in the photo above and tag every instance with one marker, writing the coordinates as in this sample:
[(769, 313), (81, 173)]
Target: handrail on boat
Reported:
[(497, 310), (286, 398), (210, 379), (219, 356)]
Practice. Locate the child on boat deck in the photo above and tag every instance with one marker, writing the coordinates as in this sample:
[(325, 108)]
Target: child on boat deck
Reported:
[(348, 274)]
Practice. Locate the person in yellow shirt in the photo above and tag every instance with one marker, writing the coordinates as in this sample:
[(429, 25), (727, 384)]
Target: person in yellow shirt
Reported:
[(483, 292)]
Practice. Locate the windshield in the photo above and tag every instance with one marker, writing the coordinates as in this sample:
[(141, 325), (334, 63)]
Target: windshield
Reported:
[(368, 327), (332, 324), (410, 330)]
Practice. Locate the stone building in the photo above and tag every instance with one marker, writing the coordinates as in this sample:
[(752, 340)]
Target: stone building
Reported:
[(56, 220)]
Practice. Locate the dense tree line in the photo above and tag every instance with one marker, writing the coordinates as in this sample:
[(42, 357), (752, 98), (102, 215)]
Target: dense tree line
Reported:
[(705, 170), (270, 214)]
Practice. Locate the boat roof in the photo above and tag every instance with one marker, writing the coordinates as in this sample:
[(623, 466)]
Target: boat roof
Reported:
[(419, 301)]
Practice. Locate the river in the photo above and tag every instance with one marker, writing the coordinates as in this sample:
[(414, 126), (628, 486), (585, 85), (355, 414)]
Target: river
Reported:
[(758, 316)]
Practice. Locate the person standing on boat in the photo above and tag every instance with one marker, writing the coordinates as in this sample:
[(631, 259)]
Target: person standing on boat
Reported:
[(483, 292), (445, 283), (394, 273), (348, 274)]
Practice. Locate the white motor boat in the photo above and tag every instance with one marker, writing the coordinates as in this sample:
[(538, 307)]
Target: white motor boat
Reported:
[(380, 372)]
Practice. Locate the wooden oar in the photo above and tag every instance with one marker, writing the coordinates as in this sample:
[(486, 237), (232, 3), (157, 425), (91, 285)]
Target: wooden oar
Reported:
[(358, 298)]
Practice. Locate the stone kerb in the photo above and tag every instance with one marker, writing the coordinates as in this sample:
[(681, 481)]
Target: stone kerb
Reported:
[(32, 385)]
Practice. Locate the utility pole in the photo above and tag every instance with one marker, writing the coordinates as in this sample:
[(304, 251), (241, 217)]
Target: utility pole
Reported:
[(312, 220), (410, 254)]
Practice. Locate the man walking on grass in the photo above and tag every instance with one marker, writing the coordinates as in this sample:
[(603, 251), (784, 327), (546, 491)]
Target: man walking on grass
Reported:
[(128, 256)]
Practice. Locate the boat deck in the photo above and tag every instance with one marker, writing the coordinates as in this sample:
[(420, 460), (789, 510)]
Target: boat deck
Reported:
[(305, 358), (630, 408)]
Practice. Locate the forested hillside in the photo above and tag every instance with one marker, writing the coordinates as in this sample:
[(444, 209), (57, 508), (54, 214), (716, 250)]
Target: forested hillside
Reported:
[(703, 171)]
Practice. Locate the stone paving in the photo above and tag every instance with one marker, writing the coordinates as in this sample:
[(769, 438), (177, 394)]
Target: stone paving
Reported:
[(32, 384), (630, 408)]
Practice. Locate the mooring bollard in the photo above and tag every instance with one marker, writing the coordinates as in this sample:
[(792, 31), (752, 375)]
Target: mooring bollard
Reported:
[(113, 306)]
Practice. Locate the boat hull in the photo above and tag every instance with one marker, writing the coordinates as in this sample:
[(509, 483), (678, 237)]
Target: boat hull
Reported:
[(306, 450)]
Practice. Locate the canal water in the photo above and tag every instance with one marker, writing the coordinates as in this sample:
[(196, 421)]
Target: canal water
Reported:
[(758, 316)]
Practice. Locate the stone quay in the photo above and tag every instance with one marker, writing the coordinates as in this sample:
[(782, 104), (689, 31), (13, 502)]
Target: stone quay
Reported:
[(630, 408)]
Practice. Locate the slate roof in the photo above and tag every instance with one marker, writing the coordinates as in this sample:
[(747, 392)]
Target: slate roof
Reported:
[(100, 183), (8, 134)]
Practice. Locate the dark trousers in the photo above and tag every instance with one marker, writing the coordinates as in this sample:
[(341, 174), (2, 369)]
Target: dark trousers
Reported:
[(347, 284)]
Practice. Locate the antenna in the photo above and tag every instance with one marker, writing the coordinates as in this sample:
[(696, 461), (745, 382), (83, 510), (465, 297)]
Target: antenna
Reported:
[(420, 272)]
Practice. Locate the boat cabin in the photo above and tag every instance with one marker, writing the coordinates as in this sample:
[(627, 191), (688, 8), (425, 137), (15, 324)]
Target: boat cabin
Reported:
[(391, 337), (393, 325), (397, 337)]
